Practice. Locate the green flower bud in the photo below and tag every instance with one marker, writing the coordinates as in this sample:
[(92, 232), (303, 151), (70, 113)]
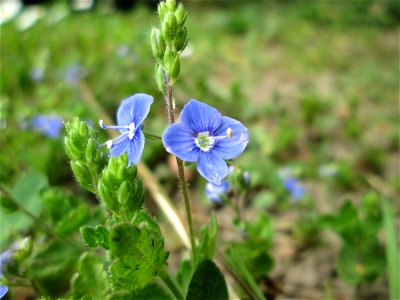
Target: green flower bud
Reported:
[(160, 79), (83, 175), (24, 251), (180, 15), (176, 67), (171, 4), (162, 10), (169, 27), (169, 59), (91, 151), (157, 44), (108, 197), (181, 41)]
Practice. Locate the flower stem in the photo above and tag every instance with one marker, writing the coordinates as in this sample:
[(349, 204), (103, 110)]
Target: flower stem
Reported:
[(181, 171)]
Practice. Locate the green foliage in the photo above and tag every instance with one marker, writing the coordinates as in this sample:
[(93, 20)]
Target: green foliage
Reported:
[(120, 190), (91, 280), (26, 193), (361, 258), (151, 291), (81, 147), (207, 243), (207, 283), (66, 212), (139, 255), (184, 274), (52, 266), (254, 248), (95, 237)]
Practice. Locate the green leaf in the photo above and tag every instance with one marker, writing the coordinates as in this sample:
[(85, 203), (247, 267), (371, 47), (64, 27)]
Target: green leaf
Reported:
[(207, 241), (73, 220), (392, 249), (184, 275), (95, 237), (360, 264), (52, 266), (139, 255), (91, 280), (207, 283), (26, 193), (151, 291)]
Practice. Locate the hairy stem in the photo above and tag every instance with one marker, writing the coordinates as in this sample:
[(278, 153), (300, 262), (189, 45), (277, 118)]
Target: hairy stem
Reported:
[(182, 178)]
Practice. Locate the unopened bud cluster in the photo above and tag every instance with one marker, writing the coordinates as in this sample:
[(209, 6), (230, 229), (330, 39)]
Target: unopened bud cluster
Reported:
[(81, 147), (168, 42)]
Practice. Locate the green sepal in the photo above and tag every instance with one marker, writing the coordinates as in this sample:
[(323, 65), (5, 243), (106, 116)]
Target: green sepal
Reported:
[(91, 280), (169, 59), (169, 27), (180, 15), (157, 44), (160, 79), (180, 40), (175, 70), (83, 175), (170, 4)]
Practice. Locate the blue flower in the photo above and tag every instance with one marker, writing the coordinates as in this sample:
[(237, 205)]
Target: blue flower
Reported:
[(3, 290), (294, 187), (204, 136), (48, 125), (74, 73), (215, 192), (5, 258), (130, 115)]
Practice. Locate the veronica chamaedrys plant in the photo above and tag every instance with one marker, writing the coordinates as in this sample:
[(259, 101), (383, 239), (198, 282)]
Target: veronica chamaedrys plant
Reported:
[(130, 116), (5, 258), (204, 136)]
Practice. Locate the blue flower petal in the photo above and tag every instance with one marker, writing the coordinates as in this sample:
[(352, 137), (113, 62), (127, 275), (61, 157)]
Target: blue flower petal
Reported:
[(3, 290), (200, 117), (135, 148), (179, 141), (212, 167), (134, 109), (216, 192), (229, 148), (121, 147)]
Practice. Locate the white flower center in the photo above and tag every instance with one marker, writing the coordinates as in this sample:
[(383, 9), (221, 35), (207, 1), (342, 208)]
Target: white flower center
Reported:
[(204, 141), (132, 130)]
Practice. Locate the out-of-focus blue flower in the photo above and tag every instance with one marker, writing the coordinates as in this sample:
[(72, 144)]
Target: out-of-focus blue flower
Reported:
[(217, 192), (3, 290), (130, 116), (122, 50), (5, 258), (74, 73), (48, 125), (204, 136), (291, 184), (36, 74)]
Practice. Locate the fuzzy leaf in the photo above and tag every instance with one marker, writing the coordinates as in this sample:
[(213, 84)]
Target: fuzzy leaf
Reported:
[(90, 282), (207, 283), (139, 255), (151, 291)]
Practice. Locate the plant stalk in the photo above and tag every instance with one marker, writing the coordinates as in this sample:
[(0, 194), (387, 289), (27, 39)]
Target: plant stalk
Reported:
[(181, 171)]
